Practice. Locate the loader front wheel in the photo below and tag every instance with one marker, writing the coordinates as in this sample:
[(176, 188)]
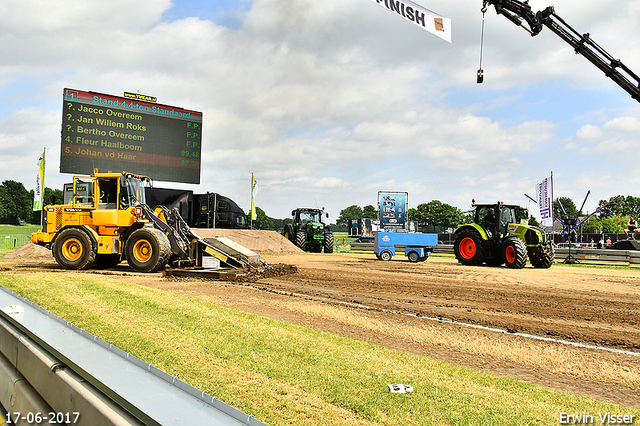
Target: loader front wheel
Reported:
[(73, 249), (147, 250)]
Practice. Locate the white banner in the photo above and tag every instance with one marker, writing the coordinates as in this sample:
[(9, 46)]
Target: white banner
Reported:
[(545, 203), (420, 16), (38, 193), (254, 191)]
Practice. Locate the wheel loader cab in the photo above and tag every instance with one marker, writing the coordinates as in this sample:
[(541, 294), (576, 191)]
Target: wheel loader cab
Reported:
[(83, 191)]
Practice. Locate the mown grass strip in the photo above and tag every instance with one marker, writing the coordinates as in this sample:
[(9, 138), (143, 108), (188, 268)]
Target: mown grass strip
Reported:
[(286, 374)]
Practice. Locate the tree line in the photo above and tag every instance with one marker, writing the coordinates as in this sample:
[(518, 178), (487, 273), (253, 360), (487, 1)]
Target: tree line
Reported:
[(16, 205)]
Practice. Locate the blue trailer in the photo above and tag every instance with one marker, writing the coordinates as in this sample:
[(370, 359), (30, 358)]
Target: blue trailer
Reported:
[(417, 246)]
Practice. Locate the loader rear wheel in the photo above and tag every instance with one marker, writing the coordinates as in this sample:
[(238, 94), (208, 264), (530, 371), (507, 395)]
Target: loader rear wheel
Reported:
[(514, 253), (73, 249), (148, 250), (468, 248)]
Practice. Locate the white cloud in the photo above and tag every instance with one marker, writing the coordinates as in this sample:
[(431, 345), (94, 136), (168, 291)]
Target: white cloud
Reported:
[(329, 102)]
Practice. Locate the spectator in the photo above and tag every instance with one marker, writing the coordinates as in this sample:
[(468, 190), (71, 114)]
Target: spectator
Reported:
[(632, 225)]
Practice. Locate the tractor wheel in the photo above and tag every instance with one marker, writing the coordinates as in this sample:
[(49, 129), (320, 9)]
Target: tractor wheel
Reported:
[(328, 243), (514, 252), (541, 262), (301, 240), (385, 255), (468, 248), (288, 232), (413, 256), (148, 250), (73, 249)]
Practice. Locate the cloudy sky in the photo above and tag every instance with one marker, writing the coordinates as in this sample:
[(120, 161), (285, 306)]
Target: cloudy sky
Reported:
[(328, 102)]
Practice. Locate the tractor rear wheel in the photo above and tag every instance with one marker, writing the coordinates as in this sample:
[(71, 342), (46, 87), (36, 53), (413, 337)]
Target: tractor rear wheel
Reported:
[(328, 243), (148, 250), (514, 253), (73, 249), (468, 248), (288, 232), (301, 240)]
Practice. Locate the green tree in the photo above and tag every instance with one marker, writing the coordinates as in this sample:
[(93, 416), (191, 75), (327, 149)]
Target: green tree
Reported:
[(346, 215), (16, 202), (570, 210), (436, 215), (534, 222), (369, 212), (53, 196), (262, 220)]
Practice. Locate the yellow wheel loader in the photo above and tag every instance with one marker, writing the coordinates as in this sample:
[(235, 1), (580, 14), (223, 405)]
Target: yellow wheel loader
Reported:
[(107, 221)]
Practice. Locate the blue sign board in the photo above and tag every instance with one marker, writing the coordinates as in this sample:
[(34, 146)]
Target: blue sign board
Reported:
[(393, 209)]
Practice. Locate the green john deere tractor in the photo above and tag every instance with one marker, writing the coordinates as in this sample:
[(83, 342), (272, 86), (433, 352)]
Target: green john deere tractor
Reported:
[(308, 231), (496, 236)]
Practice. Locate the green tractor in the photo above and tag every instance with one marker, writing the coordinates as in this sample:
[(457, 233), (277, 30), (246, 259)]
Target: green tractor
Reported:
[(308, 231), (496, 236)]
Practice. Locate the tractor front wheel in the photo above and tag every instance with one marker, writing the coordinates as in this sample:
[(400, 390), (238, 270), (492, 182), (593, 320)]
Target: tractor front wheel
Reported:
[(301, 240), (148, 250), (328, 243), (514, 253), (468, 248), (73, 249)]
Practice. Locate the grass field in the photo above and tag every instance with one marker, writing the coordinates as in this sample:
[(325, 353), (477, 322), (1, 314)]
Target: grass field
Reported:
[(286, 374), (18, 230)]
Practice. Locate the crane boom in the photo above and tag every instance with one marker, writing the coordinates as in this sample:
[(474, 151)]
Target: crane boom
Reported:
[(516, 11)]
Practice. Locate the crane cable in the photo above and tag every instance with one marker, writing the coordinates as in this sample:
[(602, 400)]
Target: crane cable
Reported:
[(480, 70)]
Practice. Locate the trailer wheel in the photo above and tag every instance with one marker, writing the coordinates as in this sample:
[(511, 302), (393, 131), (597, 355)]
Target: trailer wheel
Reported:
[(148, 250), (73, 249), (328, 243), (514, 253), (386, 255), (413, 256), (301, 240)]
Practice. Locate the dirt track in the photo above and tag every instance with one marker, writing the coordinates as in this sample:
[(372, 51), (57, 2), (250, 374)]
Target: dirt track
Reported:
[(590, 305)]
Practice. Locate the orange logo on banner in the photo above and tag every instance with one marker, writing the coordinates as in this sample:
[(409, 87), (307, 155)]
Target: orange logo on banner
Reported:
[(439, 24)]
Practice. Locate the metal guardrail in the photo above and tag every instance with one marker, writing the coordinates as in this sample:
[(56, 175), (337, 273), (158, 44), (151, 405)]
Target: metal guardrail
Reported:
[(49, 366), (12, 242)]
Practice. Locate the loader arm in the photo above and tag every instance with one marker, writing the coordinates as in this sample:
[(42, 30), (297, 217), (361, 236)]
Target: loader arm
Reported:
[(517, 11)]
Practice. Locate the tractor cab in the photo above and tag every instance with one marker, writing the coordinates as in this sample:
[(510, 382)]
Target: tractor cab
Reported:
[(494, 218), (304, 216)]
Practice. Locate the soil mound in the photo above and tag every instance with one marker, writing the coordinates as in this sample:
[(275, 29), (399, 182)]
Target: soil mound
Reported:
[(29, 252), (256, 240)]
